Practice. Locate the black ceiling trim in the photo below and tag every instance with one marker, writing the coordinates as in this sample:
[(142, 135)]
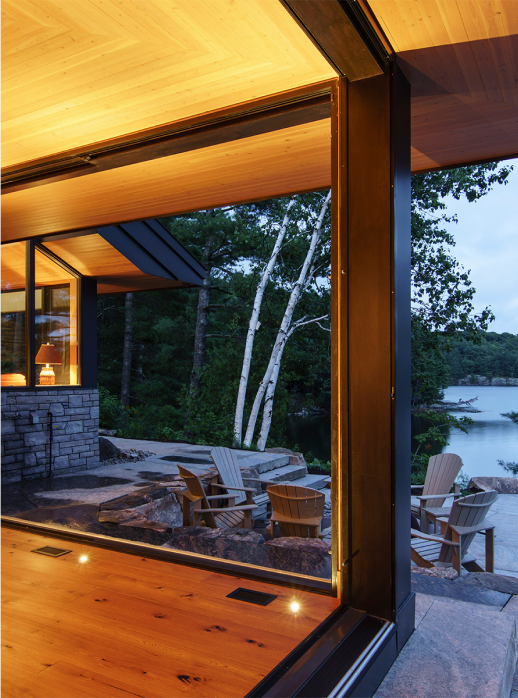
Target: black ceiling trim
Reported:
[(152, 248)]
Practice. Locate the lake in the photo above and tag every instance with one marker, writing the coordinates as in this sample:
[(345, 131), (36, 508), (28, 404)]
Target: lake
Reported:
[(489, 439)]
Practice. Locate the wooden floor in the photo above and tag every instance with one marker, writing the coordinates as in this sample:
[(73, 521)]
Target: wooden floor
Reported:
[(121, 625)]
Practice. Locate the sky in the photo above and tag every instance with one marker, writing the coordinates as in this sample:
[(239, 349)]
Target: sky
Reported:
[(486, 237)]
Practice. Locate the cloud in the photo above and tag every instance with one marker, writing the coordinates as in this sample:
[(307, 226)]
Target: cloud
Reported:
[(486, 237)]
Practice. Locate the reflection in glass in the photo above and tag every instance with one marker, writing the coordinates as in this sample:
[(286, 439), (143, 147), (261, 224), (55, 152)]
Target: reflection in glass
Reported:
[(14, 369), (56, 323)]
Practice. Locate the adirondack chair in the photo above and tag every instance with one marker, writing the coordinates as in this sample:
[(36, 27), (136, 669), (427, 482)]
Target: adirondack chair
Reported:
[(440, 476), (298, 511), (450, 548), (231, 477), (229, 517)]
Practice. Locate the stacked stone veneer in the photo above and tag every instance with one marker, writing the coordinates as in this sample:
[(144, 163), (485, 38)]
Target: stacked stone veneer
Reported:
[(25, 444)]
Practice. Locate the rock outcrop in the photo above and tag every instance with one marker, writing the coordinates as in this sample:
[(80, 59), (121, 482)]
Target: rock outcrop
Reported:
[(502, 485), (156, 507), (299, 555)]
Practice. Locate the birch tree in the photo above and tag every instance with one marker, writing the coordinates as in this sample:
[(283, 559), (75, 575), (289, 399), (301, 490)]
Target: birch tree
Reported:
[(270, 391), (306, 275), (254, 324)]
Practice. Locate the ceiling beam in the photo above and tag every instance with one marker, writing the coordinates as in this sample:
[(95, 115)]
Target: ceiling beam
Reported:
[(342, 31), (281, 111)]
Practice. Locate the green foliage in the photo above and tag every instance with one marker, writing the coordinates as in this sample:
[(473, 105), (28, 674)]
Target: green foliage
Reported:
[(315, 464), (509, 466), (111, 411), (438, 427), (511, 415), (442, 292), (494, 355)]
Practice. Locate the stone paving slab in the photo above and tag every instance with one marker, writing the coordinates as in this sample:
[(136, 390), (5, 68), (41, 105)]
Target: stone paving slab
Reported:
[(504, 514), (458, 649)]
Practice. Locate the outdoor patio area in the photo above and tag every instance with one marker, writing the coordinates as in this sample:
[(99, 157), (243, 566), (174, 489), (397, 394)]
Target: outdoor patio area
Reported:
[(138, 496)]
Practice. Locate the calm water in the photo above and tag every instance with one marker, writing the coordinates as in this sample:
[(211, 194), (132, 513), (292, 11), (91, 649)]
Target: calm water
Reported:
[(489, 439)]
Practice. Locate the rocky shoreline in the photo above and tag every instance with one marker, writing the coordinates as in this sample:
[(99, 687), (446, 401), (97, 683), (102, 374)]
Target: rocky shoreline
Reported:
[(486, 381)]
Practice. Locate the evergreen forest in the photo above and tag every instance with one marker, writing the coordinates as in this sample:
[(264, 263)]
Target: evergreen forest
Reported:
[(171, 363)]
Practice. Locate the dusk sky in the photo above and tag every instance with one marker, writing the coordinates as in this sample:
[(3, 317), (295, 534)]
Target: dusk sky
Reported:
[(487, 243)]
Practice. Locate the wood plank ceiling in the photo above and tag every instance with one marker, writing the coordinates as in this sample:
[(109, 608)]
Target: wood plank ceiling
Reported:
[(83, 71), (461, 58), (242, 170)]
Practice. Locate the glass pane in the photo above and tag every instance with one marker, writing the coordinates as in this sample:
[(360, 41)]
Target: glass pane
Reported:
[(56, 324), (14, 369)]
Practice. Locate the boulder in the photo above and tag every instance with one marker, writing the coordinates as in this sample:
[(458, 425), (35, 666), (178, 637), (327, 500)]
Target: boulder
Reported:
[(107, 449), (238, 544), (437, 572), (135, 499), (156, 507), (310, 556), (502, 485)]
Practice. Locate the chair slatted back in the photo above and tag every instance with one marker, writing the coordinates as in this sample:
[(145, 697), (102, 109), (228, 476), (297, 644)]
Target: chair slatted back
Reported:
[(440, 476), (193, 484), (467, 511), (229, 471), (299, 503)]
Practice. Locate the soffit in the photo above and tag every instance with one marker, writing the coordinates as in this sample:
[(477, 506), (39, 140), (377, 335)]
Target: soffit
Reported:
[(273, 164), (461, 58), (77, 72), (92, 255)]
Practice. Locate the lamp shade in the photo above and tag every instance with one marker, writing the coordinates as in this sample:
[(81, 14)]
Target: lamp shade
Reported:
[(47, 355)]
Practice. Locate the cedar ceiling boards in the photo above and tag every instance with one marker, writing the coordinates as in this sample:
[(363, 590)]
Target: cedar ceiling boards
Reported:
[(272, 164), (461, 58), (84, 71)]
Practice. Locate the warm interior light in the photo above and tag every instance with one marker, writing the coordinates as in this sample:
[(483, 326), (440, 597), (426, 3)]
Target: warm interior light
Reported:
[(83, 558), (295, 607)]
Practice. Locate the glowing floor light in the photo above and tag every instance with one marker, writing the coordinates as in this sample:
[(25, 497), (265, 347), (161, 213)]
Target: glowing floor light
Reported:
[(294, 607), (83, 558)]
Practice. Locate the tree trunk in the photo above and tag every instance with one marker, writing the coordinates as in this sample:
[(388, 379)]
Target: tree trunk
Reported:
[(200, 337), (282, 335), (252, 327), (126, 356), (268, 402)]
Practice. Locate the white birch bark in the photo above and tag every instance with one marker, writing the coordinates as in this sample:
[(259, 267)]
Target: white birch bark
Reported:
[(253, 326), (286, 321), (270, 391)]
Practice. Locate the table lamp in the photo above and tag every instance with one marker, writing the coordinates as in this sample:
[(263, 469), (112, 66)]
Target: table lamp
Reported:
[(49, 356)]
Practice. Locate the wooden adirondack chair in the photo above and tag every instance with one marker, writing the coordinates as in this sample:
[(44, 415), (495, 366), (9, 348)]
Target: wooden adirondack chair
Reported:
[(467, 517), (231, 477), (440, 476), (298, 511), (229, 517)]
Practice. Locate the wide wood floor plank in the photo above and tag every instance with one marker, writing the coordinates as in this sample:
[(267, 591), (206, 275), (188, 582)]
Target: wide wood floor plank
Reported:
[(123, 625)]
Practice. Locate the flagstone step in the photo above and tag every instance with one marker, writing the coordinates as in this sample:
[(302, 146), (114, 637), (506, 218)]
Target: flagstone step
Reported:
[(285, 473), (263, 462)]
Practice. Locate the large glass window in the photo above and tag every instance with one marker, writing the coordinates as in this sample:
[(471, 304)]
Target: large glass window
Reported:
[(56, 325), (14, 359)]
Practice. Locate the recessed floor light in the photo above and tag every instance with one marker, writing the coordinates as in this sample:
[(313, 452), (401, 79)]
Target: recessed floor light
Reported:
[(251, 596), (52, 552)]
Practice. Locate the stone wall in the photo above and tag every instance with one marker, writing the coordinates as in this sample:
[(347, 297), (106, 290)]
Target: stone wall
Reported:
[(26, 432)]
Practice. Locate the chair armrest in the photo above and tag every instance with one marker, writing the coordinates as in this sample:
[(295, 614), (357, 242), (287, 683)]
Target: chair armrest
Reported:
[(245, 507), (231, 487), (416, 487), (428, 536), (463, 530), (221, 496), (424, 497)]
